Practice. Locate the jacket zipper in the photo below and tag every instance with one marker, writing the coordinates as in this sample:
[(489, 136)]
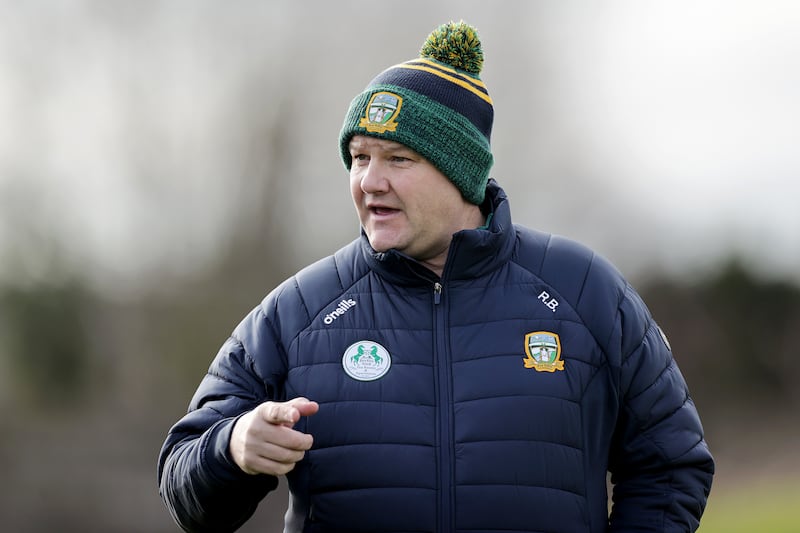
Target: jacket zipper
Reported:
[(444, 401)]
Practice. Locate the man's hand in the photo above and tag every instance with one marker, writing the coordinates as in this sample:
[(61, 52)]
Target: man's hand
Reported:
[(263, 441)]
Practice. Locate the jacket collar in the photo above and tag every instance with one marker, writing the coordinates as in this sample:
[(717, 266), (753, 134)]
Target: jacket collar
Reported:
[(472, 252)]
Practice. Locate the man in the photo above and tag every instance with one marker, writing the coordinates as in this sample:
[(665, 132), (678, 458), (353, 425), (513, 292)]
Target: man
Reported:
[(448, 370)]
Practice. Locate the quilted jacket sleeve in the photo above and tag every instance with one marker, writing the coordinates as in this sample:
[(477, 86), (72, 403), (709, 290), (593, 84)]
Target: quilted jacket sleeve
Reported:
[(202, 487), (660, 464)]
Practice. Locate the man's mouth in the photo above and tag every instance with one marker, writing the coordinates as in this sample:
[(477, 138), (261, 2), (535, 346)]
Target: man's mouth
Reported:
[(380, 210)]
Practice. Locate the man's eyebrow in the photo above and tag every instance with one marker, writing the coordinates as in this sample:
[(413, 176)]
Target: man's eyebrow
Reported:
[(397, 147), (393, 147), (357, 144)]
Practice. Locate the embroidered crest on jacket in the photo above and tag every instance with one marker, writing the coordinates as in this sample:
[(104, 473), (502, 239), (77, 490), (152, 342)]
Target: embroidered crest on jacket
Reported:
[(543, 349)]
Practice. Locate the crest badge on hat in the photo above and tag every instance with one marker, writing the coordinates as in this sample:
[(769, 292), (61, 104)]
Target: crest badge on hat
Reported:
[(543, 350), (381, 113)]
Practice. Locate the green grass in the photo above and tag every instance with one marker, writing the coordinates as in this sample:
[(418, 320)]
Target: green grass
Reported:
[(754, 508)]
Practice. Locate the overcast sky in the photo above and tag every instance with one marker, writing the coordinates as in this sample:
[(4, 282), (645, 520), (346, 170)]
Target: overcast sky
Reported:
[(663, 134)]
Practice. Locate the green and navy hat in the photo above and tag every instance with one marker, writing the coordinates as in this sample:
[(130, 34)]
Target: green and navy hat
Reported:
[(436, 105)]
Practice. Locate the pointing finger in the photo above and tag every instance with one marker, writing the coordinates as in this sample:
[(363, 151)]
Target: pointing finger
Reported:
[(305, 407), (288, 413)]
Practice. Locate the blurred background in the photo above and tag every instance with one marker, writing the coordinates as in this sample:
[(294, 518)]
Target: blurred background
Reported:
[(164, 164)]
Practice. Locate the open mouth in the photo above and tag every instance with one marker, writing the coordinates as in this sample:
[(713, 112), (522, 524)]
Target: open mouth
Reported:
[(381, 211)]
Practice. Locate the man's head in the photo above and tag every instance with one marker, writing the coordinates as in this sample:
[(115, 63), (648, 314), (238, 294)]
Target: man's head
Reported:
[(405, 203), (436, 105)]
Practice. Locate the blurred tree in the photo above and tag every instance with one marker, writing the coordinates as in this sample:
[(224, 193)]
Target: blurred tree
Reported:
[(755, 316), (734, 335), (46, 343)]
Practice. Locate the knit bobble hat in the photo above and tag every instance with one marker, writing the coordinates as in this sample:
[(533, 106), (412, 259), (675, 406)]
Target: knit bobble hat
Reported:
[(436, 105)]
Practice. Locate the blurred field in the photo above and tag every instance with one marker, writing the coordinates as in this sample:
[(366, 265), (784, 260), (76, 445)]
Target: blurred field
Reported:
[(771, 507), (757, 482)]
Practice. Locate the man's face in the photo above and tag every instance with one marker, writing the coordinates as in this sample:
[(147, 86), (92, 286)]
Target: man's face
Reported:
[(404, 202)]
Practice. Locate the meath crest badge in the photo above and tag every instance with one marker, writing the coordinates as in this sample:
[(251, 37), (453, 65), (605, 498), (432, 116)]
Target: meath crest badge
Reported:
[(543, 350), (381, 113)]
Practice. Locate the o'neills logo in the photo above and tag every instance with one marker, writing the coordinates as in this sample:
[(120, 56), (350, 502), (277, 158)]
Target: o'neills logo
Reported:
[(343, 307)]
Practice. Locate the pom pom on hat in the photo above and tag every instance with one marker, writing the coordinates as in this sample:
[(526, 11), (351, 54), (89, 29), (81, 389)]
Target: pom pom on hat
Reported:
[(436, 105), (456, 44)]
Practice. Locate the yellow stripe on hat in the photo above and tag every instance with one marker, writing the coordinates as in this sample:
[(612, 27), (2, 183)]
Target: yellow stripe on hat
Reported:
[(474, 81), (449, 75)]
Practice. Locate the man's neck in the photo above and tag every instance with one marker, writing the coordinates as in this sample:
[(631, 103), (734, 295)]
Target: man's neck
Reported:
[(474, 219)]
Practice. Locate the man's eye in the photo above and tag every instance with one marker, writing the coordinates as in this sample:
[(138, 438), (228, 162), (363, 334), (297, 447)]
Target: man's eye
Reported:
[(360, 157)]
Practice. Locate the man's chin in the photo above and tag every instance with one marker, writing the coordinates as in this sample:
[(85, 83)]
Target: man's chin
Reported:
[(382, 243), (383, 246)]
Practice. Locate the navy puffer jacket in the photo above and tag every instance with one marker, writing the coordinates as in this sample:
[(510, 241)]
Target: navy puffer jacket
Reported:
[(495, 398)]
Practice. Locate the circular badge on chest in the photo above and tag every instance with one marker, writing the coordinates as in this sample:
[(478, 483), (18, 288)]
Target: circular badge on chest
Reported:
[(366, 361)]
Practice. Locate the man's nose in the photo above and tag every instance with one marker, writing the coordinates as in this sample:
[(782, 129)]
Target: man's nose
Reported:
[(374, 179)]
